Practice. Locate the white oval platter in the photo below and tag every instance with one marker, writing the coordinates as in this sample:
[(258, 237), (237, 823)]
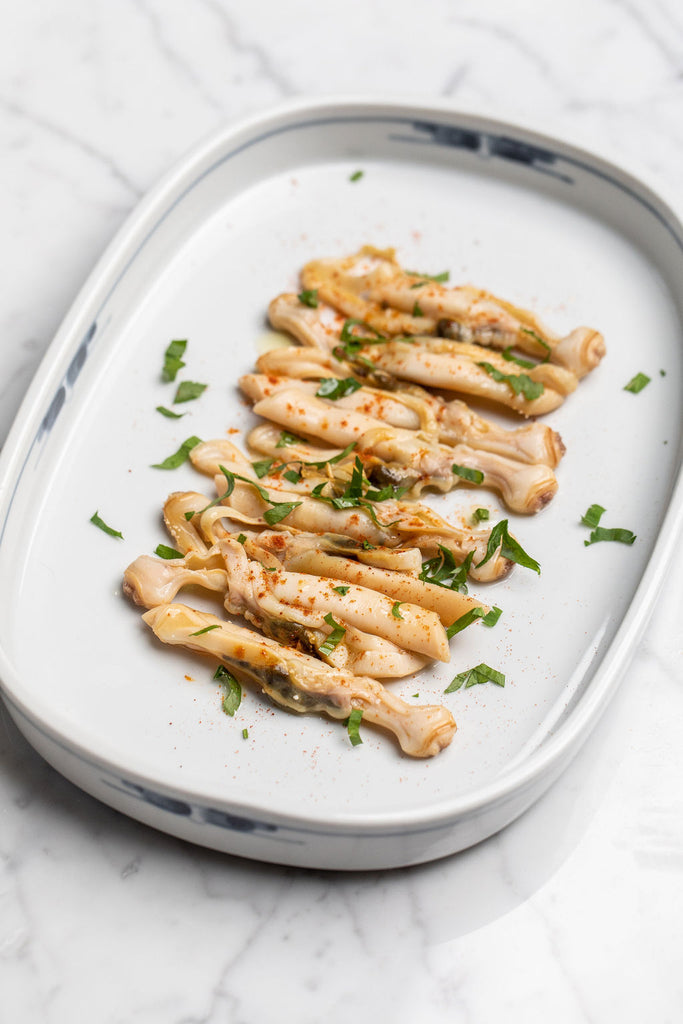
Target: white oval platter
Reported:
[(140, 726)]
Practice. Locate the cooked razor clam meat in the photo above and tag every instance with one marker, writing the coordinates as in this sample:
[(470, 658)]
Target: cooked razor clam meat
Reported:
[(524, 488), (301, 683), (372, 279)]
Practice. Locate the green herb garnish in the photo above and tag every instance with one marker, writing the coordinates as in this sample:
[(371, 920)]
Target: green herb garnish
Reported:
[(637, 383), (356, 176), (188, 390), (488, 618), (309, 297), (593, 515), (359, 494), (443, 571), (182, 455), (603, 533), (475, 476), (395, 609), (169, 414), (207, 629), (293, 475), (480, 514), (334, 387), (287, 438), (437, 278), (173, 360), (341, 590), (335, 637), (353, 725), (241, 538), (526, 364), (520, 383), (233, 691), (539, 340), (245, 734), (164, 551), (509, 548), (263, 467), (101, 525), (479, 674), (416, 309)]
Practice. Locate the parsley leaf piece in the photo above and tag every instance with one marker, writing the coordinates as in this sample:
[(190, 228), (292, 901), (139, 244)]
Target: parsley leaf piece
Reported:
[(443, 571), (441, 278), (662, 373), (245, 734), (287, 438), (164, 551), (526, 364), (603, 533), (334, 388), (233, 691), (488, 618), (416, 309), (356, 176), (539, 340), (480, 514), (395, 609), (335, 458), (101, 525), (335, 637), (351, 343), (207, 629), (341, 590), (182, 455), (263, 467), (509, 548), (241, 538), (279, 511), (188, 390), (475, 476), (520, 383), (352, 726), (367, 546), (169, 414), (173, 360), (637, 383), (230, 478), (593, 515), (479, 674), (309, 297), (293, 475)]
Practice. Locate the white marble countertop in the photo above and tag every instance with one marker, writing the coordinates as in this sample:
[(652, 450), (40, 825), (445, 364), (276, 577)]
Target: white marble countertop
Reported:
[(572, 914)]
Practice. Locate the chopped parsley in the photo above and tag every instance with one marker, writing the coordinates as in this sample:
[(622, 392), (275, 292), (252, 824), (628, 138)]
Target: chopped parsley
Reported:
[(637, 383), (480, 514), (395, 609), (241, 538), (207, 629), (335, 388), (474, 476), (188, 390), (443, 571), (592, 518), (293, 475), (488, 618), (245, 734), (164, 551), (356, 176), (509, 548), (593, 515), (539, 341), (169, 414), (479, 674), (334, 638), (287, 438), (417, 310), (182, 455), (358, 493), (526, 364), (309, 297), (437, 278), (279, 509), (341, 590), (263, 467), (173, 360), (520, 383), (101, 525), (233, 692), (353, 725)]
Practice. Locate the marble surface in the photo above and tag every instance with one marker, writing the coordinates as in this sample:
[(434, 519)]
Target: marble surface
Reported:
[(574, 913)]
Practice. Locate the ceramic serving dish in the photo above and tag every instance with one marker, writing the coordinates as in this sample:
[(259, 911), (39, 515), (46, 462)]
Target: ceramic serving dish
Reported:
[(140, 726)]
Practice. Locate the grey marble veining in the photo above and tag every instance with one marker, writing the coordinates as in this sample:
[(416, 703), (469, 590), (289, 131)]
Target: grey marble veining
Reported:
[(572, 914)]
